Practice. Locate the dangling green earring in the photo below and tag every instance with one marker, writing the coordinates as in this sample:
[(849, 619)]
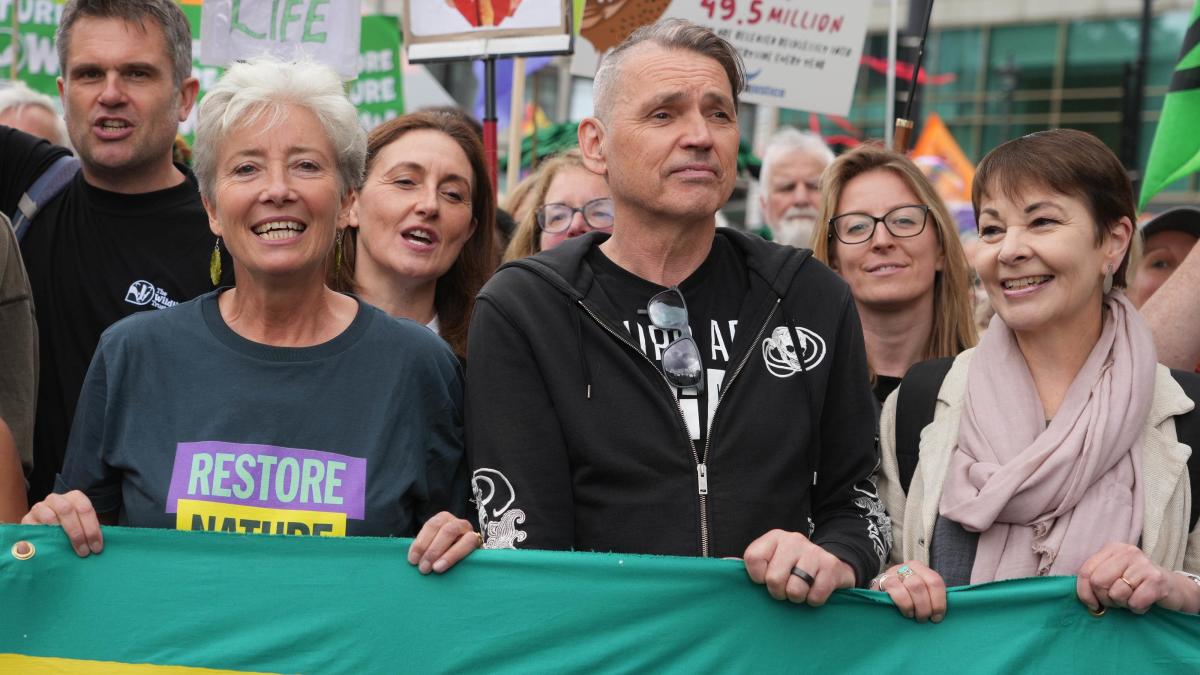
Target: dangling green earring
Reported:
[(337, 255), (214, 263)]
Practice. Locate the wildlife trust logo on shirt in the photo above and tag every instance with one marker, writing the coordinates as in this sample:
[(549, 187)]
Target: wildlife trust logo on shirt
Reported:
[(143, 292), (265, 489)]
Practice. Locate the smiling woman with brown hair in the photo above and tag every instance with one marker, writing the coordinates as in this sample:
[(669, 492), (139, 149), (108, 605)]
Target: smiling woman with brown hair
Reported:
[(1054, 446), (276, 406)]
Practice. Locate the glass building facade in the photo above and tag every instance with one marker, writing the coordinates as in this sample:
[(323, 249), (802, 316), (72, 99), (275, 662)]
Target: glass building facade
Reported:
[(1016, 79)]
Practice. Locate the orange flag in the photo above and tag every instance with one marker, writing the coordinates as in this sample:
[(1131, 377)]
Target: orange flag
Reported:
[(936, 140)]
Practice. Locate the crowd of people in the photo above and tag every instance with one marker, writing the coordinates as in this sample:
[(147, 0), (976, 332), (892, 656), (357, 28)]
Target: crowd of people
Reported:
[(332, 350)]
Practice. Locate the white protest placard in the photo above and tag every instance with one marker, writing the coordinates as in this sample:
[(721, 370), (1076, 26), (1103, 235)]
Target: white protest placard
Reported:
[(328, 31), (799, 54), (456, 29)]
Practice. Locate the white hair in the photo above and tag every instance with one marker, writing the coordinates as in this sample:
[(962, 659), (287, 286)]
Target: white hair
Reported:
[(787, 140), (19, 96), (264, 85)]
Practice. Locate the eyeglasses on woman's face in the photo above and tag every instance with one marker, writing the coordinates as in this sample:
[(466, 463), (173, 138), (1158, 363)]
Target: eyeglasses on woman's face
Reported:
[(857, 228), (555, 218)]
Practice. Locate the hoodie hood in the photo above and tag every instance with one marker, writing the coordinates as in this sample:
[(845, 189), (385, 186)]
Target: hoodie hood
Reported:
[(563, 267)]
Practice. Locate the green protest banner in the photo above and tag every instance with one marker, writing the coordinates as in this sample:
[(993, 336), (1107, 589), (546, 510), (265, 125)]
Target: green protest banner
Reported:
[(249, 603), (378, 92), (36, 59)]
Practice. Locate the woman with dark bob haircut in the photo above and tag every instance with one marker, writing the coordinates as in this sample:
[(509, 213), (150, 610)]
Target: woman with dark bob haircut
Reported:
[(1053, 447), (418, 238)]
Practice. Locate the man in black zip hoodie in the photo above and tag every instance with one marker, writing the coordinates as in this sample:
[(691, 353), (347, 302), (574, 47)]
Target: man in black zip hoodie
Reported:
[(578, 437)]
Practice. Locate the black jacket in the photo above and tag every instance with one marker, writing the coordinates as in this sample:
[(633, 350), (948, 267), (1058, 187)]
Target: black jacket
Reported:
[(577, 442)]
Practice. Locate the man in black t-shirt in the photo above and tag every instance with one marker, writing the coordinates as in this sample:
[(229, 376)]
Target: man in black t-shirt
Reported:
[(714, 294), (675, 388), (129, 232)]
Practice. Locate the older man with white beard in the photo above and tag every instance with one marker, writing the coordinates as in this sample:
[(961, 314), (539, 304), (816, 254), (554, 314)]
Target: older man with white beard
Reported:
[(791, 175)]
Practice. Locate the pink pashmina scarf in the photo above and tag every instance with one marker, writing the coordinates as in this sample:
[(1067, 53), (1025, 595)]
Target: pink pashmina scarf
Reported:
[(1046, 498)]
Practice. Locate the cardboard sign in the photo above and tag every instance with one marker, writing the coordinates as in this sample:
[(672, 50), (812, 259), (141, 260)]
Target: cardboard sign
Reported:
[(456, 29), (799, 54), (326, 30)]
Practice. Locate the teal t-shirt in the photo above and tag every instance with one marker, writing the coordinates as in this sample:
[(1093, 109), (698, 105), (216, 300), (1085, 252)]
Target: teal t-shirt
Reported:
[(184, 424)]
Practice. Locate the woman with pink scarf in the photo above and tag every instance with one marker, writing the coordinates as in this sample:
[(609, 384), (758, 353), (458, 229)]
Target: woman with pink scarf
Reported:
[(1052, 449)]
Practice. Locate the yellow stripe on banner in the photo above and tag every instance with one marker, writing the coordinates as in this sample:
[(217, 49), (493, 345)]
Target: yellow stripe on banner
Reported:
[(217, 517), (40, 665)]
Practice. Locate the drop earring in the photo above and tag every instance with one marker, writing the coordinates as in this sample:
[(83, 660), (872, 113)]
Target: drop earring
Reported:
[(1108, 279), (214, 263), (337, 254)]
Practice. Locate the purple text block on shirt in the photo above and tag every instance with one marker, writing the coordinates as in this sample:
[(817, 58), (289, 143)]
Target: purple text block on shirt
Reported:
[(268, 476)]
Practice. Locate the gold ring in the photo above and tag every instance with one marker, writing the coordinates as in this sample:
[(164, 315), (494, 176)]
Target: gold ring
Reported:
[(1127, 582), (1097, 612), (27, 554), (479, 536)]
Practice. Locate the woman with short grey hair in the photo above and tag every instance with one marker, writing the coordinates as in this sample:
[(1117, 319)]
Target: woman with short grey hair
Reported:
[(266, 86), (276, 406)]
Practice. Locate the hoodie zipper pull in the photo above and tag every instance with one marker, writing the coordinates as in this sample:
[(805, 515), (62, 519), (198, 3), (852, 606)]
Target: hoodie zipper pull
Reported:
[(702, 478)]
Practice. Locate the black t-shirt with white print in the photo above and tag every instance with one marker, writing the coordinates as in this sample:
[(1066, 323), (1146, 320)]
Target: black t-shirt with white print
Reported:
[(95, 257), (714, 295)]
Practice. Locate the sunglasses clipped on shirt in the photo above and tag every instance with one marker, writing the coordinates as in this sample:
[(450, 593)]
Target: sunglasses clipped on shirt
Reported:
[(555, 218), (681, 359)]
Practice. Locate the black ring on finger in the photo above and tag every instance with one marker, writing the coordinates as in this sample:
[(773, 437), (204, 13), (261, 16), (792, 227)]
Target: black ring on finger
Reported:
[(804, 576)]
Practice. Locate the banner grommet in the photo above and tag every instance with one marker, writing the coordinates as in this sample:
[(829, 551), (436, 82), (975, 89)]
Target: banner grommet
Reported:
[(25, 554)]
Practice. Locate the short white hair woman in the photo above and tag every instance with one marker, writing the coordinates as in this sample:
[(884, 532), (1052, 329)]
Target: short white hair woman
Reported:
[(277, 406), (1053, 447)]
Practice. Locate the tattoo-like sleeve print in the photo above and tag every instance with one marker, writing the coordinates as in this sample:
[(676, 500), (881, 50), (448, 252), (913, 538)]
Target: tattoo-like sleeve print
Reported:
[(879, 525), (498, 521)]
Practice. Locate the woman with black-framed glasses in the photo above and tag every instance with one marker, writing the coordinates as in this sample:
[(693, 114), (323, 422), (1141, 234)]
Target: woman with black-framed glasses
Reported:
[(884, 229), (568, 200)]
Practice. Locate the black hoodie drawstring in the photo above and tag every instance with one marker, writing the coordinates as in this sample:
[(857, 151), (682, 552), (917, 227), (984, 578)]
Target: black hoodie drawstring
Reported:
[(583, 362)]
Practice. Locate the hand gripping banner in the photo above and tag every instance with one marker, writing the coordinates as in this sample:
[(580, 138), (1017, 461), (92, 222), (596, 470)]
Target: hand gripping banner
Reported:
[(158, 601)]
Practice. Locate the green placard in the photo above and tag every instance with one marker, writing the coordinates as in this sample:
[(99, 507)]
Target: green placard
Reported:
[(36, 58), (379, 92)]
